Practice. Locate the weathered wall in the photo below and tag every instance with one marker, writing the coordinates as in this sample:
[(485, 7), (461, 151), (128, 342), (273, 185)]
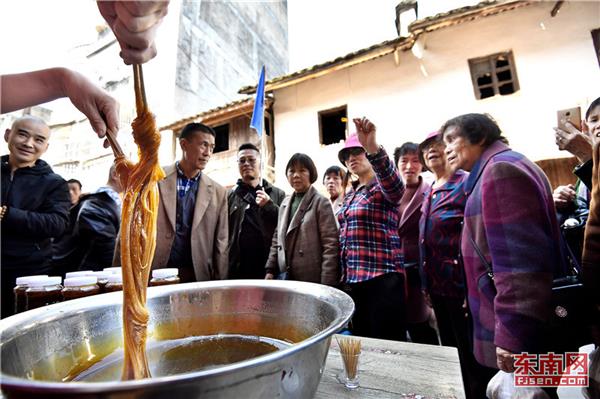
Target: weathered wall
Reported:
[(222, 46)]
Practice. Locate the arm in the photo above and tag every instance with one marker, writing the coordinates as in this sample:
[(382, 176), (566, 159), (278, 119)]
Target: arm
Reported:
[(272, 265), (584, 173), (50, 220), (387, 175), (389, 180), (221, 241), (31, 88), (576, 142), (328, 232), (523, 250), (590, 261)]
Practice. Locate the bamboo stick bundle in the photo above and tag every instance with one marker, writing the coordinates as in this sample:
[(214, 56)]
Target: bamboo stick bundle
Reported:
[(350, 350)]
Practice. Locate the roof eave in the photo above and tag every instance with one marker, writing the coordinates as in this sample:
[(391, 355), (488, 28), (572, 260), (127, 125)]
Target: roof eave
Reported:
[(217, 115), (430, 25), (318, 71)]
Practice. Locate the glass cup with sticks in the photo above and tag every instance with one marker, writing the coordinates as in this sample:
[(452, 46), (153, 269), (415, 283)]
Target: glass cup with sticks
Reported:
[(350, 351)]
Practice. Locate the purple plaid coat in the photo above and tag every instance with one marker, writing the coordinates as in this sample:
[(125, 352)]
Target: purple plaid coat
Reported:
[(510, 216)]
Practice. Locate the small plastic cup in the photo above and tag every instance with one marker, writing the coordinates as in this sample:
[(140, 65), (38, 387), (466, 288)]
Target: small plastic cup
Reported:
[(351, 370)]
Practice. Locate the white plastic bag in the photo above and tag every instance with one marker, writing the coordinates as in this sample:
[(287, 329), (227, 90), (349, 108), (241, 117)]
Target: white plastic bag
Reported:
[(593, 391), (502, 386)]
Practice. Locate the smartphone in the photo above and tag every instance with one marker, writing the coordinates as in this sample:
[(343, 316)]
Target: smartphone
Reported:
[(572, 115)]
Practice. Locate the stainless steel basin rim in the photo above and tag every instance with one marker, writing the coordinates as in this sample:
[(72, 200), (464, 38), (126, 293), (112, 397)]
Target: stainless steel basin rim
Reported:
[(21, 324)]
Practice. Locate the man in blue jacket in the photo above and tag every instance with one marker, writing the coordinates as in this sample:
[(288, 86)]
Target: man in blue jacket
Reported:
[(35, 206)]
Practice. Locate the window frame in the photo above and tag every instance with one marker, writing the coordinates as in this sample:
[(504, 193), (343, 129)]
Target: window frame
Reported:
[(330, 111), (495, 84)]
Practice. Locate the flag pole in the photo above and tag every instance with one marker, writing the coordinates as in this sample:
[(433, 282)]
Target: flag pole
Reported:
[(263, 154), (258, 121)]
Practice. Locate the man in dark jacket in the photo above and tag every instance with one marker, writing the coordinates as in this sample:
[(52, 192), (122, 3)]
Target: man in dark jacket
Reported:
[(35, 204), (89, 242), (253, 210)]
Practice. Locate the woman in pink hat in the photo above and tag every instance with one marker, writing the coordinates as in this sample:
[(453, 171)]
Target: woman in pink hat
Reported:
[(369, 244)]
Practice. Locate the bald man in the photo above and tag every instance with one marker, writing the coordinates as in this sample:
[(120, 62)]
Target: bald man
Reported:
[(35, 206)]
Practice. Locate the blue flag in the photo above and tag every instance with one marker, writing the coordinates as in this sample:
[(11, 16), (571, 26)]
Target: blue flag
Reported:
[(258, 114)]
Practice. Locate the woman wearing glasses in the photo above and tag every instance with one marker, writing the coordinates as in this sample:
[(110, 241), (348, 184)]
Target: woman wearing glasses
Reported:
[(369, 244)]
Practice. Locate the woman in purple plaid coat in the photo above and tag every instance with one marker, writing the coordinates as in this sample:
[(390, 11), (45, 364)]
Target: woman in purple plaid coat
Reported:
[(510, 241)]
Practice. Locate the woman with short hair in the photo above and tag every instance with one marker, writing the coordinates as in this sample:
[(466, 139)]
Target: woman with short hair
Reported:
[(305, 242), (510, 241)]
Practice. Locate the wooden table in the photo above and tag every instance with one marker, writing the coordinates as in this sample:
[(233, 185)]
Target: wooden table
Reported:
[(392, 369)]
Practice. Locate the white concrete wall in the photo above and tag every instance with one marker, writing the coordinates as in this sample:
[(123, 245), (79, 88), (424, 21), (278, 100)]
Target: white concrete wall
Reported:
[(556, 68)]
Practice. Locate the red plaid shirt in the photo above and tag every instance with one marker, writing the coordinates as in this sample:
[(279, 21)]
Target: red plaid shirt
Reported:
[(369, 242)]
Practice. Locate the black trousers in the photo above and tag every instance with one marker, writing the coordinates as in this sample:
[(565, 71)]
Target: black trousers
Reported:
[(420, 333), (380, 307), (455, 330)]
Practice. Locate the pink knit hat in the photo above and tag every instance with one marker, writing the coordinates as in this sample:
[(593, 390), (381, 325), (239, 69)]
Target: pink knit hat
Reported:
[(351, 142)]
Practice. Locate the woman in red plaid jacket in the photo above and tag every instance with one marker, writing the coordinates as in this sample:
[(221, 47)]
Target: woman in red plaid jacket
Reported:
[(369, 243)]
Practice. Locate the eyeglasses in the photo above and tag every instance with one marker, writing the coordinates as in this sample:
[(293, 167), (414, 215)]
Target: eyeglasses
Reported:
[(354, 151), (249, 161)]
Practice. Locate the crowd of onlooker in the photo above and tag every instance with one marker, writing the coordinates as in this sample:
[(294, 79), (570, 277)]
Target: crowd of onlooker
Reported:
[(464, 255)]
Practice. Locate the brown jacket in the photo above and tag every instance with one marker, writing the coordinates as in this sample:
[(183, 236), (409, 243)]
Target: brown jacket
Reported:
[(209, 227), (408, 229), (307, 246)]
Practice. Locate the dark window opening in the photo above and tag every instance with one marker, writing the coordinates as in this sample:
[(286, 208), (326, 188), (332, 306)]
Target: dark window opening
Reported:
[(504, 75), (267, 126), (486, 92), (506, 89), (494, 75), (484, 80), (596, 41), (501, 61), (221, 138), (332, 125)]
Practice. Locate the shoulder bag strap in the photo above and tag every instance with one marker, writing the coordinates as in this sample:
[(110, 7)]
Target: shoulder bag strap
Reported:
[(486, 264)]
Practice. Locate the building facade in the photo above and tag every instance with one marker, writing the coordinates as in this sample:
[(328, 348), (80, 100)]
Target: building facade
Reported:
[(519, 61)]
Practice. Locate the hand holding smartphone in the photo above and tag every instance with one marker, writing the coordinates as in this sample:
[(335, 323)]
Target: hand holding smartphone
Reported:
[(572, 115)]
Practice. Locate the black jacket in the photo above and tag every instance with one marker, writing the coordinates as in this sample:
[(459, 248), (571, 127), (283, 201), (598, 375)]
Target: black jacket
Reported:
[(584, 173), (237, 209), (89, 242), (38, 205)]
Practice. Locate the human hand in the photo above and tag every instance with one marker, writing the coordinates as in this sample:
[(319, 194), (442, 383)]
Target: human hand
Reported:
[(2, 211), (365, 130), (134, 24), (564, 195), (576, 142), (269, 276), (505, 360), (101, 109), (427, 298), (262, 198)]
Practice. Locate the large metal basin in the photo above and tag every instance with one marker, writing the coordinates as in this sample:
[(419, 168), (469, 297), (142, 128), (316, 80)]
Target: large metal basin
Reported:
[(40, 347)]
